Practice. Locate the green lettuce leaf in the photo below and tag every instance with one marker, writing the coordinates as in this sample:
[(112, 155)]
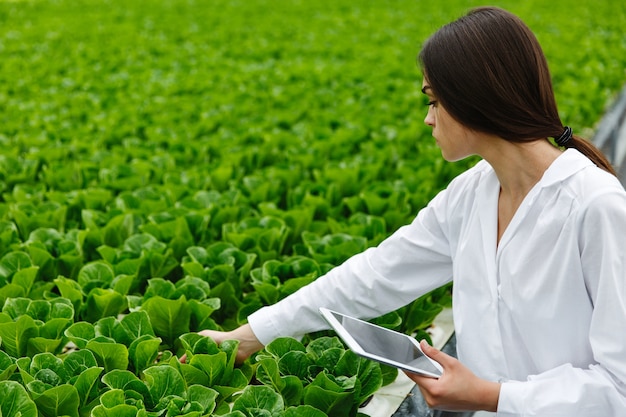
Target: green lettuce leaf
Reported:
[(259, 401), (15, 400)]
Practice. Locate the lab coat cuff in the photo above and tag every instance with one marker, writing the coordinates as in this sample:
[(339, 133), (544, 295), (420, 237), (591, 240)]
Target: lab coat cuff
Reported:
[(512, 399), (262, 326)]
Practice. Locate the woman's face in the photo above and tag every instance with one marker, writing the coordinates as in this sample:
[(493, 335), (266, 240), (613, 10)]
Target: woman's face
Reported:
[(454, 139)]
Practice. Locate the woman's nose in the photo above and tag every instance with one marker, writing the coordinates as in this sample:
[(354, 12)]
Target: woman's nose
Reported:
[(429, 119)]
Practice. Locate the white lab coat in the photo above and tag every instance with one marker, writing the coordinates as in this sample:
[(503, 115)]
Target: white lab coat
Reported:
[(543, 311)]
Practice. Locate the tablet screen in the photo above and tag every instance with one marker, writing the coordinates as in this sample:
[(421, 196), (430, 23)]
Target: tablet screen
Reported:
[(385, 345)]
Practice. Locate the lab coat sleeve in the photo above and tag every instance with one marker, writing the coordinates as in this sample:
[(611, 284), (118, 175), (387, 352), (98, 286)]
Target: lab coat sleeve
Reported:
[(409, 263), (600, 389)]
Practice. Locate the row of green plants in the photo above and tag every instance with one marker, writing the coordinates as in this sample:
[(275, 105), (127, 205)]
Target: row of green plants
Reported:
[(169, 167), (118, 367), (109, 316)]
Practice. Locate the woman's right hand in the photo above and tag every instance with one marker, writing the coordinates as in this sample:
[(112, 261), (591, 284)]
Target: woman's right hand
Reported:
[(248, 342)]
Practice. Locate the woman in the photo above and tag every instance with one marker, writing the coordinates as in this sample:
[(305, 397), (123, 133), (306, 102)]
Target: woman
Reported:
[(532, 236)]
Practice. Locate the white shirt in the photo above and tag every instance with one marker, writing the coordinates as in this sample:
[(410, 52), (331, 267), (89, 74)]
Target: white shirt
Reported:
[(543, 311)]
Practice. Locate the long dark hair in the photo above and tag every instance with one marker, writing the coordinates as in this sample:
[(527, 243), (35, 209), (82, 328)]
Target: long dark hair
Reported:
[(489, 72)]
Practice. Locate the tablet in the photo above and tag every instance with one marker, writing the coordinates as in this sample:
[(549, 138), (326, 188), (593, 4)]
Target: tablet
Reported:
[(383, 345)]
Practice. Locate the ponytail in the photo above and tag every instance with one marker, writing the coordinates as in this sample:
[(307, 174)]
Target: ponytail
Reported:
[(590, 151)]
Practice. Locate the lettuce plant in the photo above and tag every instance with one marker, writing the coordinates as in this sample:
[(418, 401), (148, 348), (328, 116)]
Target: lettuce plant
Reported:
[(61, 386), (322, 374), (264, 236), (333, 249), (126, 343), (28, 327), (275, 279), (213, 366)]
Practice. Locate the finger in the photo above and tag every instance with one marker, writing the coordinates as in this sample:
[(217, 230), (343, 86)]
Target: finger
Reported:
[(417, 378), (424, 383), (208, 333)]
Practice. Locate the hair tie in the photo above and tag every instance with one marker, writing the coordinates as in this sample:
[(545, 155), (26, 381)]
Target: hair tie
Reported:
[(565, 136)]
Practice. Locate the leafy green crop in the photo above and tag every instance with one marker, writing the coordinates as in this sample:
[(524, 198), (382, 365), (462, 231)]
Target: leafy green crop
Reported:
[(323, 374), (28, 327), (168, 167)]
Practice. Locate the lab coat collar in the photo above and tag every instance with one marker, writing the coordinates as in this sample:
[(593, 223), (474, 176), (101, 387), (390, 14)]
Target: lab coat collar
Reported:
[(563, 167), (567, 164)]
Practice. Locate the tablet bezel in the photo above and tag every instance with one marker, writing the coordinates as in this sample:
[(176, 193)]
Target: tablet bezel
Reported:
[(353, 345)]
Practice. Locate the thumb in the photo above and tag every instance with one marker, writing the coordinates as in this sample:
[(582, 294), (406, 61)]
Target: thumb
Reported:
[(434, 353)]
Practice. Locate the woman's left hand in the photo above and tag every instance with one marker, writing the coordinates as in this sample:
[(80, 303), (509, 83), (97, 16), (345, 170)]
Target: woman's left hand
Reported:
[(458, 388)]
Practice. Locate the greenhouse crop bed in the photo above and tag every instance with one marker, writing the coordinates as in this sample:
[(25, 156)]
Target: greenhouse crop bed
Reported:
[(168, 167)]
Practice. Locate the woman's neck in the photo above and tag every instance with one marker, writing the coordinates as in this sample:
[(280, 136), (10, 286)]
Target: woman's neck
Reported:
[(519, 166)]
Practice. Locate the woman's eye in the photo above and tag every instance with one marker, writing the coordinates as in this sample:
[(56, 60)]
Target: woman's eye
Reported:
[(432, 103)]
